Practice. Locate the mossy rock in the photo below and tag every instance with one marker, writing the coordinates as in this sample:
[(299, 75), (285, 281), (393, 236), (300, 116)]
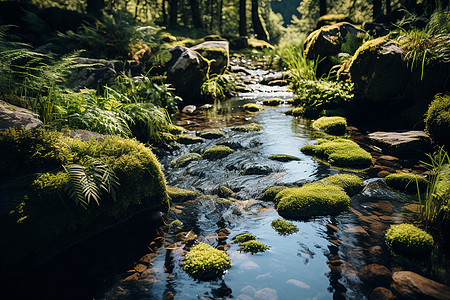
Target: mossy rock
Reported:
[(186, 159), (351, 184), (252, 107), (340, 153), (284, 158), (253, 247), (189, 139), (406, 182), (224, 191), (181, 195), (272, 102), (243, 238), (247, 127), (40, 219), (331, 125), (308, 112), (271, 193), (312, 199), (205, 262), (212, 134), (437, 120), (217, 152), (283, 227), (173, 129), (408, 240)]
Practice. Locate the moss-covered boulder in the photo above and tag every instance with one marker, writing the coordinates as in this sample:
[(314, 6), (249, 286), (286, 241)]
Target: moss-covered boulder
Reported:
[(212, 134), (247, 127), (243, 238), (351, 184), (180, 195), (331, 125), (224, 192), (41, 212), (406, 182), (283, 227), (253, 247), (271, 193), (408, 240), (186, 159), (205, 262), (252, 107), (437, 120), (272, 102), (331, 19), (340, 153), (312, 199), (284, 157), (217, 152), (217, 52), (189, 139)]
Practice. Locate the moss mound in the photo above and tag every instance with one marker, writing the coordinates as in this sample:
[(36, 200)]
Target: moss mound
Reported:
[(217, 152), (437, 119), (247, 127), (351, 184), (253, 247), (243, 238), (331, 125), (224, 191), (283, 157), (212, 134), (309, 112), (252, 107), (186, 159), (189, 139), (340, 153), (272, 102), (205, 262), (173, 129), (406, 182), (180, 195), (283, 227), (312, 199), (270, 193), (408, 240), (40, 217)]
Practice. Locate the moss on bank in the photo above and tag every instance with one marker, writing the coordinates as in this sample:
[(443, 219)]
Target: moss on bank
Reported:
[(408, 240)]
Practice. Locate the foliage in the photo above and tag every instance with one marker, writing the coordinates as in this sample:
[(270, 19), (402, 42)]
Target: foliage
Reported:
[(407, 182), (299, 67), (253, 247), (252, 107), (247, 127), (312, 199), (180, 195), (212, 134), (244, 238), (283, 227), (437, 119), (217, 152), (408, 240), (217, 87), (271, 193), (340, 153), (351, 184), (331, 125), (204, 262), (186, 159)]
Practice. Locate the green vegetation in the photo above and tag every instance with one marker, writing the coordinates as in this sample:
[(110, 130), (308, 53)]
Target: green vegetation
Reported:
[(351, 184), (253, 247), (283, 227), (212, 134), (312, 199), (218, 87), (408, 240), (252, 107), (247, 127), (180, 195), (272, 102), (243, 238), (437, 119), (217, 152), (186, 159), (271, 193), (283, 158), (340, 153), (406, 182), (331, 125), (204, 262)]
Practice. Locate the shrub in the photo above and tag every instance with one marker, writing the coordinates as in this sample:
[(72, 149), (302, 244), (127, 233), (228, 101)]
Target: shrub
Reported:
[(252, 107), (180, 195), (406, 182), (312, 199), (408, 240), (283, 227), (217, 152), (247, 127), (243, 238), (331, 125), (212, 134), (270, 193), (186, 159), (437, 119), (204, 262), (351, 184), (253, 247)]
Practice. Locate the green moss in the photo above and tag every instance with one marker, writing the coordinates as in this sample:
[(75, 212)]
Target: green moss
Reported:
[(217, 152), (185, 160), (406, 182), (189, 139), (331, 125), (283, 227), (181, 195), (252, 107), (309, 112), (247, 127), (224, 191), (340, 153), (283, 157), (408, 240), (351, 184), (272, 102), (270, 193), (312, 199), (243, 238), (212, 134), (204, 262), (437, 119), (173, 129), (253, 247)]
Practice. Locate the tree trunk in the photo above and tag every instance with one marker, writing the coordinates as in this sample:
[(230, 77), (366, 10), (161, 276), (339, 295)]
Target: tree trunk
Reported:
[(220, 16), (94, 7), (260, 32), (242, 17), (196, 17), (376, 9), (322, 7), (164, 12), (173, 13)]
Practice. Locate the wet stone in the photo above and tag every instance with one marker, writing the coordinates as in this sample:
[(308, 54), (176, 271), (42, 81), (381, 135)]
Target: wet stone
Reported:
[(375, 274), (140, 268), (410, 285), (381, 293), (257, 170)]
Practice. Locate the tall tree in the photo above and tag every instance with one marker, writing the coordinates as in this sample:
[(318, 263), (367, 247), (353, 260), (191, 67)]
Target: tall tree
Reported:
[(173, 13), (376, 9), (322, 7), (196, 17), (164, 12), (259, 29), (242, 17)]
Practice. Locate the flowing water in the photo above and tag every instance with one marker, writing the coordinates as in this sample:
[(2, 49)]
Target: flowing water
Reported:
[(320, 261)]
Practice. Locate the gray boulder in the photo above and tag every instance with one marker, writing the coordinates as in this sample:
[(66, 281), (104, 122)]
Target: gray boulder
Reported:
[(217, 52), (95, 73), (401, 143), (17, 117)]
